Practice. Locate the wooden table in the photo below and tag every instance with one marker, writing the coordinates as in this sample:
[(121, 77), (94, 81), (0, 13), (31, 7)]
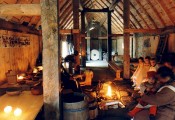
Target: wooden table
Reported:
[(28, 103)]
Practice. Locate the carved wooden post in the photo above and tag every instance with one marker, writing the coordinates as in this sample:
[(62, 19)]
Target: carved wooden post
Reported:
[(51, 63), (76, 37), (126, 20)]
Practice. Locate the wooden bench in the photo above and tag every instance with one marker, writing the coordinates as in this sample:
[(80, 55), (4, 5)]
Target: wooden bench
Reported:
[(118, 70)]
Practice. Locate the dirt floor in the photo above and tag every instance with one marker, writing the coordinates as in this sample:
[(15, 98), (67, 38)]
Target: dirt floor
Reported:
[(105, 74)]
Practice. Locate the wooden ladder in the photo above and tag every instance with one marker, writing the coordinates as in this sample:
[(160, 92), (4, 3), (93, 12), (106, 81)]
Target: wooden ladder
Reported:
[(163, 39)]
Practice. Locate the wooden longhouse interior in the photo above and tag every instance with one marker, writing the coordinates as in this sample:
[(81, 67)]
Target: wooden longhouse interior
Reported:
[(74, 59)]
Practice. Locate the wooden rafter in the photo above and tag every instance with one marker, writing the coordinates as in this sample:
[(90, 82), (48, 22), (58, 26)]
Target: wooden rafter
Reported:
[(142, 31), (65, 15), (133, 16), (63, 4), (165, 10), (121, 14), (5, 25), (65, 8), (69, 25), (157, 13), (113, 4), (121, 29), (68, 19), (117, 25), (146, 13), (137, 12)]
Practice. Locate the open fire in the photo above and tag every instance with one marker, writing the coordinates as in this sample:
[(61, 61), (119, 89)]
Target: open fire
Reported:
[(109, 95), (109, 92)]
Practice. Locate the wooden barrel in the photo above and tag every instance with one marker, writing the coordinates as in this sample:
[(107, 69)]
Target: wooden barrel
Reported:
[(93, 109), (75, 109)]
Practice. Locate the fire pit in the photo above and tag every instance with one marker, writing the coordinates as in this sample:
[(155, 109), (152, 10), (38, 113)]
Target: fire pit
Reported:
[(108, 95)]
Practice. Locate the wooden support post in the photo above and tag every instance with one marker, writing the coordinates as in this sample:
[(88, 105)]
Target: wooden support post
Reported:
[(83, 42), (126, 19), (51, 62), (76, 37), (109, 37)]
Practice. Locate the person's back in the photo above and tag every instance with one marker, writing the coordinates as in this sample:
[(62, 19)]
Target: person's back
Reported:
[(164, 98)]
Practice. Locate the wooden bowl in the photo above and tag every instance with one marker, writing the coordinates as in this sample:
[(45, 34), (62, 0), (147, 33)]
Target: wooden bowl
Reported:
[(13, 91), (37, 90)]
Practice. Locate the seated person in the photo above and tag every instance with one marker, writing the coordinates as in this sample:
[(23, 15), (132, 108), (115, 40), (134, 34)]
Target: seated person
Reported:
[(154, 66), (164, 97), (147, 87), (68, 81)]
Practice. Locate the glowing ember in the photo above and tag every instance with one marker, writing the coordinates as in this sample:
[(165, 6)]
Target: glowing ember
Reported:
[(109, 92)]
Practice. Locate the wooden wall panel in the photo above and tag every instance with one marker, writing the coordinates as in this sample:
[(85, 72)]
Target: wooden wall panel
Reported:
[(18, 58)]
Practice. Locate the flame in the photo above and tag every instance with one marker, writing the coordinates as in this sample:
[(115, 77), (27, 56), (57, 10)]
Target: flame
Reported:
[(109, 92), (20, 77)]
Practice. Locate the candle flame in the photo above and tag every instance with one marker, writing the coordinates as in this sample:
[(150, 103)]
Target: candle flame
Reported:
[(109, 92), (17, 112), (20, 77), (7, 109)]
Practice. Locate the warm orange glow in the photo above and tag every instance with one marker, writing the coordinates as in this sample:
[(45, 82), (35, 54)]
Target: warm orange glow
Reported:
[(7, 109), (109, 92), (20, 77), (17, 112)]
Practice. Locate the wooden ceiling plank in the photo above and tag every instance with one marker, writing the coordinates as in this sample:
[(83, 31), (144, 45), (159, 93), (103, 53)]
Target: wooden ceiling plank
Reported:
[(69, 25), (145, 22), (69, 18), (64, 16), (113, 4), (147, 14), (157, 13), (133, 16), (62, 4), (88, 4), (116, 16), (62, 12), (121, 14), (117, 25), (165, 10), (65, 7)]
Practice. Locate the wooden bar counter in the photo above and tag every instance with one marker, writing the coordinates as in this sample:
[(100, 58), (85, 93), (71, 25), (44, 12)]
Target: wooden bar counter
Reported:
[(28, 103)]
